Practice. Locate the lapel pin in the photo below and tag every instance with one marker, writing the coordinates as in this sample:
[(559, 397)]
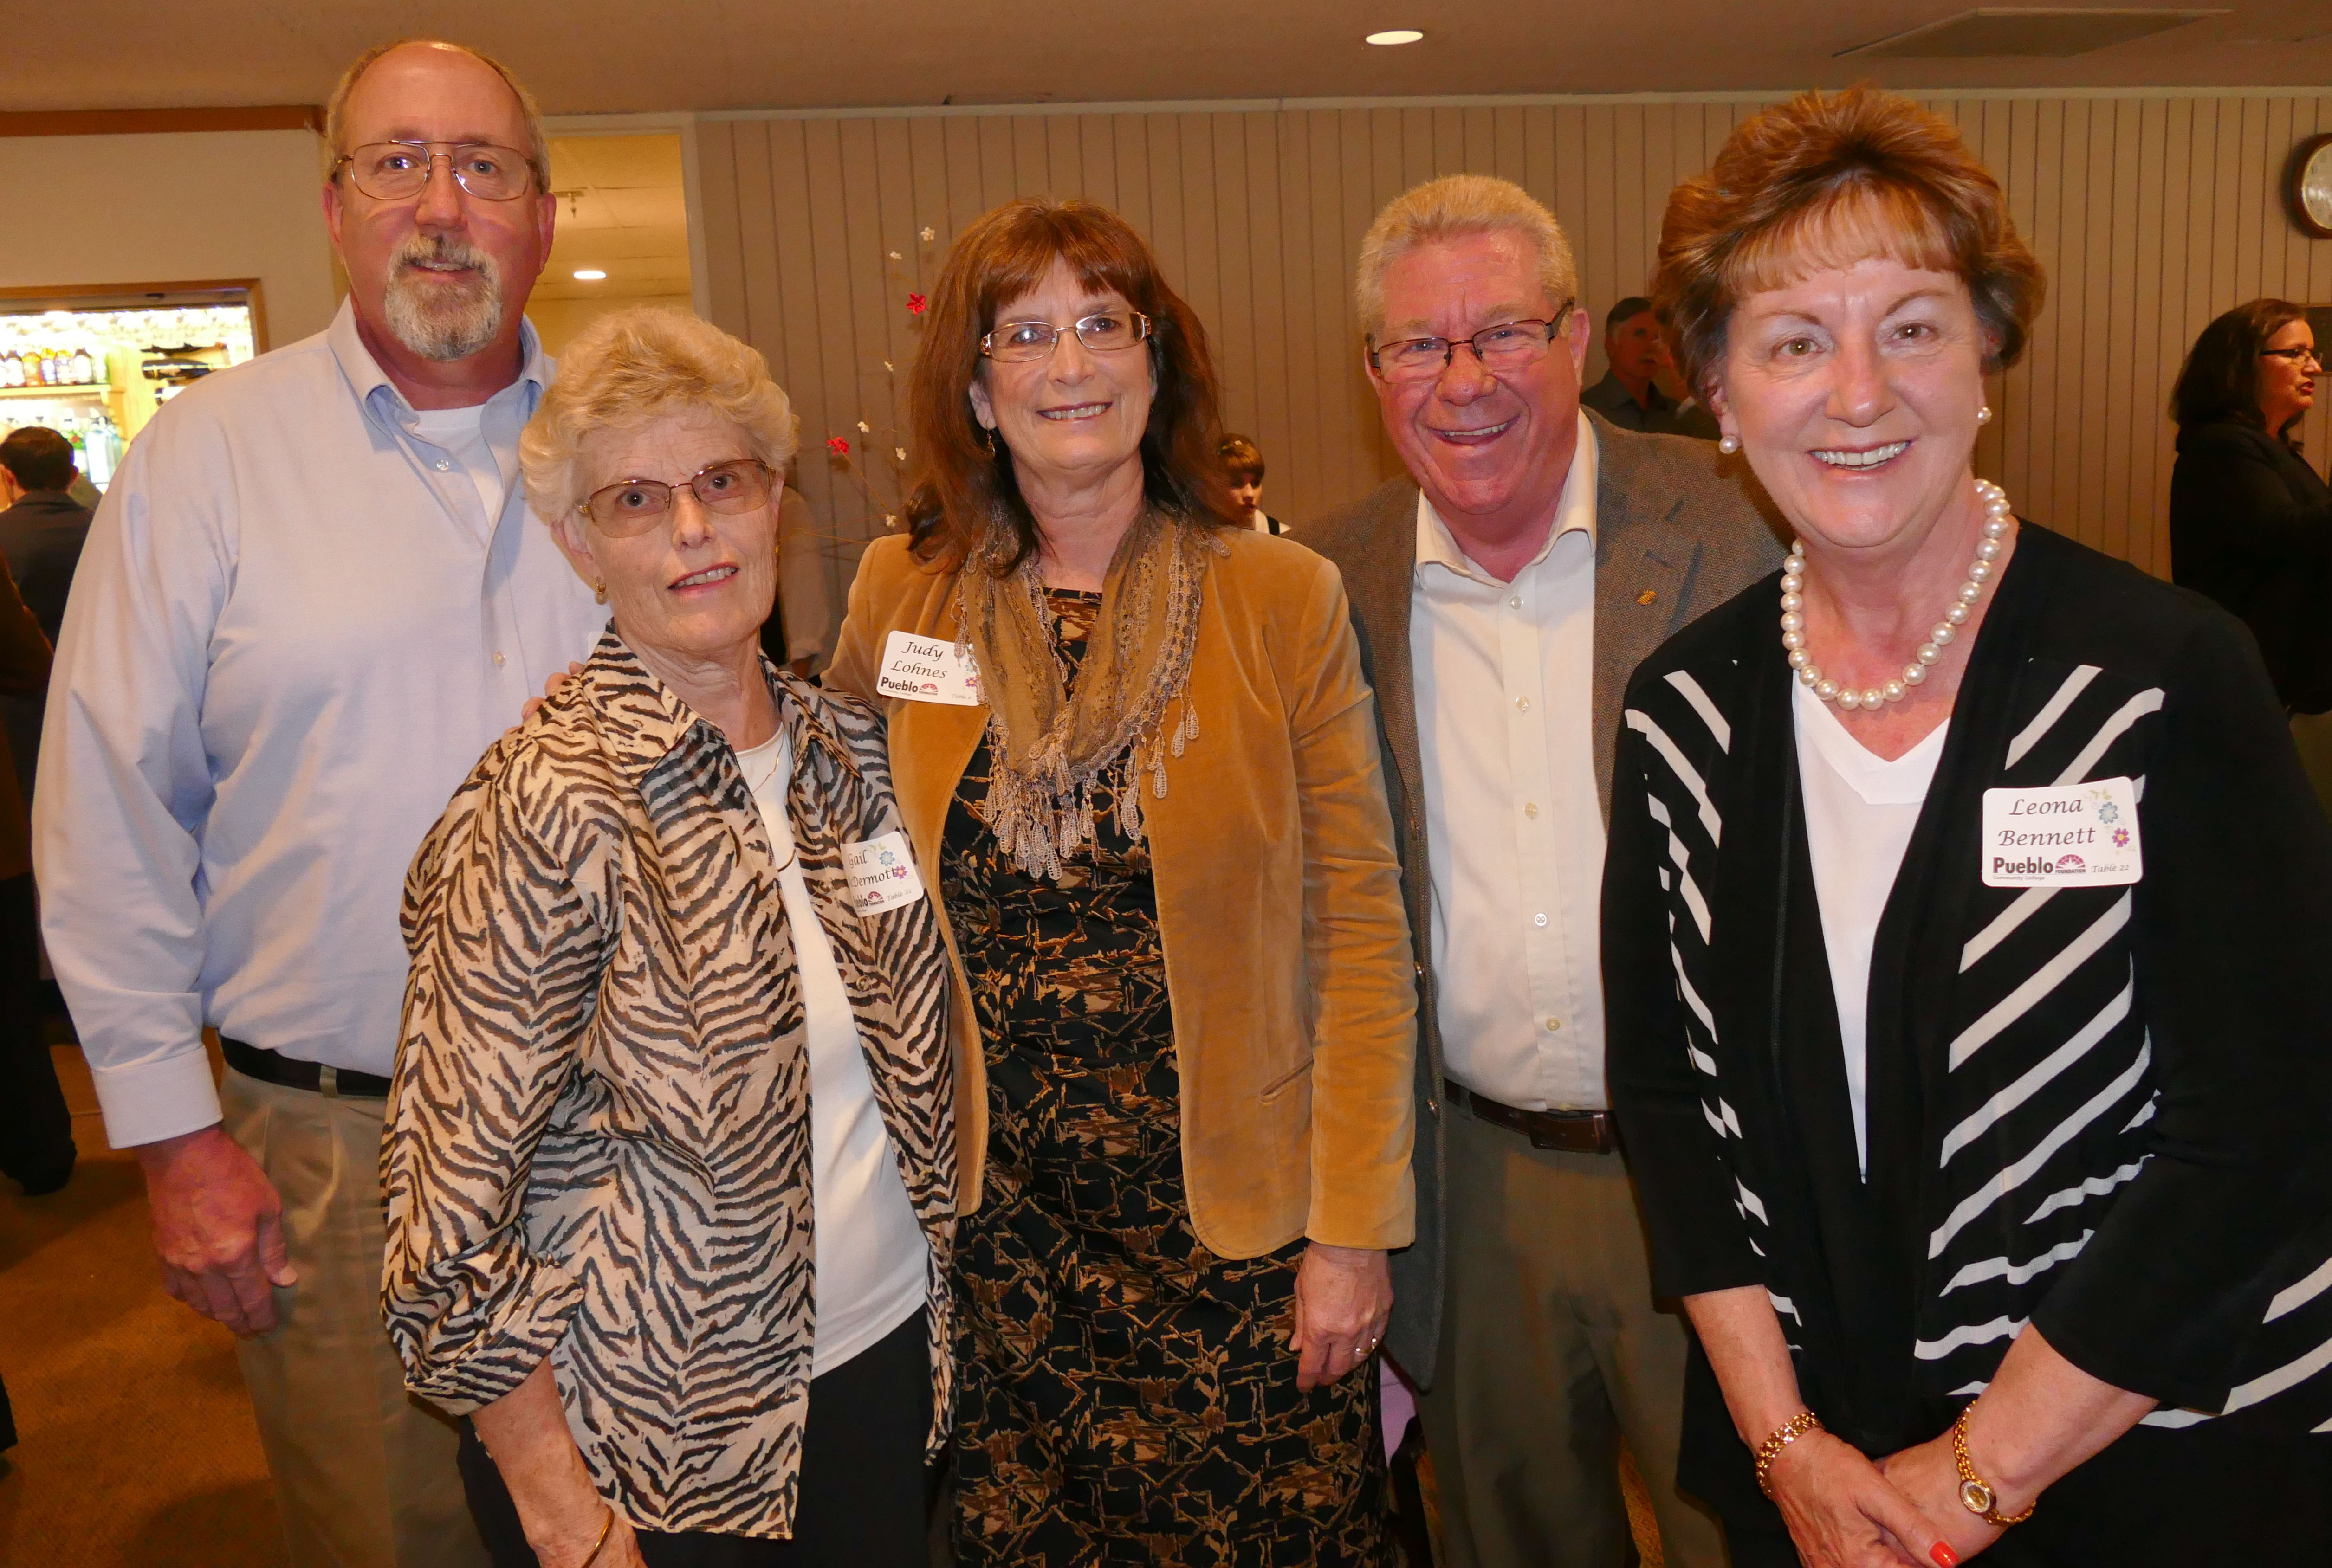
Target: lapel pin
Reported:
[(1647, 595)]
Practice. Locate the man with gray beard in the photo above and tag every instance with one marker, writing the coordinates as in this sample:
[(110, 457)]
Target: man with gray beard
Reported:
[(312, 597)]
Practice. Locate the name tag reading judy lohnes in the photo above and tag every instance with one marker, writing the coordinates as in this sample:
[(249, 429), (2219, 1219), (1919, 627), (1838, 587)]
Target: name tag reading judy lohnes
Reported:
[(2084, 834), (880, 873), (927, 670)]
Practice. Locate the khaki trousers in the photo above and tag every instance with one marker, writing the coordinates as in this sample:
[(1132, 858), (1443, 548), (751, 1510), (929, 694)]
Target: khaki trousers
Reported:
[(364, 1474), (1550, 1351)]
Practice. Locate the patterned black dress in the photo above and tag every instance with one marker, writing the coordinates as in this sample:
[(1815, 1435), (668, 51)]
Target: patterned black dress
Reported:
[(1124, 1395)]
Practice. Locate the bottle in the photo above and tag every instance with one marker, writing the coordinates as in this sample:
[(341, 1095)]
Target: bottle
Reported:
[(83, 371), (12, 370)]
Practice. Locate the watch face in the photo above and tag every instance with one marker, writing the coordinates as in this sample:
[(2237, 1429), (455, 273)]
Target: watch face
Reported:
[(1976, 1497), (2315, 186)]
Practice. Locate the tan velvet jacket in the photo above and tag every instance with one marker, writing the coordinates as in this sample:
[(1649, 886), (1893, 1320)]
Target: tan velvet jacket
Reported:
[(1287, 950)]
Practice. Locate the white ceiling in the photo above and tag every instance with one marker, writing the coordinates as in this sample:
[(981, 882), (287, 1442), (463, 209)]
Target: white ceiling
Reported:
[(591, 56), (622, 209)]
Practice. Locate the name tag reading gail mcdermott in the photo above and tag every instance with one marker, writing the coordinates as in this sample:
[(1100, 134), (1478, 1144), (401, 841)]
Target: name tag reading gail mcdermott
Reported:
[(2084, 834), (927, 670), (880, 873)]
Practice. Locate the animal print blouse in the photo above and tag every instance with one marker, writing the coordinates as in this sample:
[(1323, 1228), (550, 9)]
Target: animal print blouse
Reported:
[(600, 1140)]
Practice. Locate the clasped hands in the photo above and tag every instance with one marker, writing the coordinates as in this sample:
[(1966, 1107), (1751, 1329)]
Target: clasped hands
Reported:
[(1845, 1511)]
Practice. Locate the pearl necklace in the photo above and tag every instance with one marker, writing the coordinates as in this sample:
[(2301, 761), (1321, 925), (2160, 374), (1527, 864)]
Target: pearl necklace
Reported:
[(1996, 517)]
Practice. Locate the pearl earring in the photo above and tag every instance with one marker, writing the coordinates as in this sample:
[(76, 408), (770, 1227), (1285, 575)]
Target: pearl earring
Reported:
[(1729, 445), (1983, 414)]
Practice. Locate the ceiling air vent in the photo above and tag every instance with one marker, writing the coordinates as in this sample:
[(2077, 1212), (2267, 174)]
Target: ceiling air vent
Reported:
[(2033, 32)]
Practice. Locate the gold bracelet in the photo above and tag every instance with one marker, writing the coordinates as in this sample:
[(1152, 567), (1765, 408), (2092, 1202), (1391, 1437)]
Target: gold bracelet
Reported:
[(604, 1531), (1791, 1431), (1976, 1494)]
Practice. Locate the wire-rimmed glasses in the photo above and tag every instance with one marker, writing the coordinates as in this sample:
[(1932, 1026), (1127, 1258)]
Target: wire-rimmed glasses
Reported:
[(1103, 332), (2296, 355), (1505, 346), (397, 171), (624, 510)]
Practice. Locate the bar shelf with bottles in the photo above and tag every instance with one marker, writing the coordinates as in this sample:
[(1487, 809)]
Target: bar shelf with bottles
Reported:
[(96, 376)]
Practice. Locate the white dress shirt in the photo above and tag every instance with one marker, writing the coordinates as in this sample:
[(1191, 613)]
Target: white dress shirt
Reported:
[(1505, 685), (1860, 809), (294, 629), (871, 1265)]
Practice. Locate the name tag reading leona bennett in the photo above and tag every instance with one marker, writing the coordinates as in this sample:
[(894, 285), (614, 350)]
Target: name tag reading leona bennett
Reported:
[(2082, 835), (927, 670), (882, 874)]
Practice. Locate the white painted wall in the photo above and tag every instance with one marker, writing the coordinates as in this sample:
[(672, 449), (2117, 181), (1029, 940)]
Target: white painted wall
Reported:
[(78, 211)]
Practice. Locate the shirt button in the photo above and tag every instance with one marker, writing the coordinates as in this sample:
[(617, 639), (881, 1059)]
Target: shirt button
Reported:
[(1516, 602), (1523, 703), (498, 657), (1538, 919), (443, 465), (1530, 808), (1553, 1024)]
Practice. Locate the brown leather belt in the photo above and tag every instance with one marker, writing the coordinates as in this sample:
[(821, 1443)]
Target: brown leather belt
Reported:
[(1573, 1131), (290, 1072)]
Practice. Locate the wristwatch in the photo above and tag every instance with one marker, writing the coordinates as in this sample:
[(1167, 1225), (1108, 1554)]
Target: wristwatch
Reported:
[(1976, 1494)]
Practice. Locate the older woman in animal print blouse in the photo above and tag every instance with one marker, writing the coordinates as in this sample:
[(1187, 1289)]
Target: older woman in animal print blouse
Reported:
[(672, 1141)]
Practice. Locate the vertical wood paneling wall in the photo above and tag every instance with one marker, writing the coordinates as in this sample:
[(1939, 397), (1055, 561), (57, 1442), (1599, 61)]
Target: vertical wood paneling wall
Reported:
[(2152, 214)]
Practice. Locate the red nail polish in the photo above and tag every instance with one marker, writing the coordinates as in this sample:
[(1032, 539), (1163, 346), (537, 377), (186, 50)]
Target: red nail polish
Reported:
[(1944, 1555)]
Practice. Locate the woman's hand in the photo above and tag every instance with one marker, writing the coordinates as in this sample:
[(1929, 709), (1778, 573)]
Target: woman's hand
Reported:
[(550, 688), (566, 1521), (1843, 1513), (1344, 1299), (1930, 1477)]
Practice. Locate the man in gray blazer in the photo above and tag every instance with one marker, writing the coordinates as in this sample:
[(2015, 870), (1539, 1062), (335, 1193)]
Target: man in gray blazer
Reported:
[(1503, 593)]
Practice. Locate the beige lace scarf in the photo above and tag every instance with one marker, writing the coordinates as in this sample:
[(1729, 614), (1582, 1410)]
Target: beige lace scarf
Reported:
[(1047, 748)]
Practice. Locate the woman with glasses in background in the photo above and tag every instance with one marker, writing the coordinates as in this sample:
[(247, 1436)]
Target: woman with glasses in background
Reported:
[(1137, 758), (671, 1134), (2250, 522)]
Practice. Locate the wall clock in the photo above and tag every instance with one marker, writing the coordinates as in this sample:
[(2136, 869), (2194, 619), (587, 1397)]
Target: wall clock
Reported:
[(2309, 186)]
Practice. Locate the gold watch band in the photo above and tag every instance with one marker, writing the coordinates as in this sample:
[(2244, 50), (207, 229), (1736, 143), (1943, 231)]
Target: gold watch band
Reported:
[(1788, 1432), (1976, 1494)]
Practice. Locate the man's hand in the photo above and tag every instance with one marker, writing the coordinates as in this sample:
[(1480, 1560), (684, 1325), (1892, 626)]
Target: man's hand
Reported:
[(219, 1228), (1344, 1299), (550, 689)]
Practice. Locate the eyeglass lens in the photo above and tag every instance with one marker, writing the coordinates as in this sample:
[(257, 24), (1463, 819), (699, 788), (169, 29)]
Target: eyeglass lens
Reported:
[(1508, 344), (393, 171), (636, 506), (1102, 333)]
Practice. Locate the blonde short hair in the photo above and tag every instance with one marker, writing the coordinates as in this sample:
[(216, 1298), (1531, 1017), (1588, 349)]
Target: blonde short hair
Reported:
[(639, 365), (1454, 207), (336, 111)]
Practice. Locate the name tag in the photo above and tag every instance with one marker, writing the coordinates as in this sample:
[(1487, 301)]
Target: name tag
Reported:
[(2084, 834), (882, 874), (927, 670)]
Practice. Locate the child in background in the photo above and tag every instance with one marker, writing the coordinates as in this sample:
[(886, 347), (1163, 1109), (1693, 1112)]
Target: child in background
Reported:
[(1245, 462)]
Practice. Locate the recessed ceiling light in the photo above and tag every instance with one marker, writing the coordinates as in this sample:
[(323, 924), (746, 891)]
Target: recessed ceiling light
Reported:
[(1394, 35), (589, 274)]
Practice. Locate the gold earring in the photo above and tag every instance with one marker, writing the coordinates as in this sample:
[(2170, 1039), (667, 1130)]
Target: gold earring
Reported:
[(989, 432), (599, 592)]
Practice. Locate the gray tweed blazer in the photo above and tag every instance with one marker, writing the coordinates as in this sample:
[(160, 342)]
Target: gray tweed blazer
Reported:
[(1678, 530)]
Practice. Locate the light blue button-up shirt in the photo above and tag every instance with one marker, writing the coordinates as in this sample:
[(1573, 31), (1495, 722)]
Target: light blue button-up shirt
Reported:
[(294, 630)]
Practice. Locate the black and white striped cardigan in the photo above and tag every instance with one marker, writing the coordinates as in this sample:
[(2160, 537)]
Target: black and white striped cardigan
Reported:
[(2121, 1098)]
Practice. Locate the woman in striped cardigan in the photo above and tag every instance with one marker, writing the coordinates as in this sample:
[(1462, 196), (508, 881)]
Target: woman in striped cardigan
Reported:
[(1960, 939)]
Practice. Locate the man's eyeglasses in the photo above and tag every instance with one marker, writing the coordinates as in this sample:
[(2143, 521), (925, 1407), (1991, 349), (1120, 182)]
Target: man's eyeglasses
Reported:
[(2296, 355), (1507, 347), (1106, 332), (397, 171), (623, 511)]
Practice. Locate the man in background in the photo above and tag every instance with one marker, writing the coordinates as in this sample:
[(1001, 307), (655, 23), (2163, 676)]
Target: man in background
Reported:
[(312, 597), (1502, 592), (1643, 390), (40, 535)]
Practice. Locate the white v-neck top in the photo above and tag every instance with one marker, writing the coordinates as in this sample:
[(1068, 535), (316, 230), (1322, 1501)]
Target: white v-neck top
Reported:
[(1860, 811), (871, 1258)]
